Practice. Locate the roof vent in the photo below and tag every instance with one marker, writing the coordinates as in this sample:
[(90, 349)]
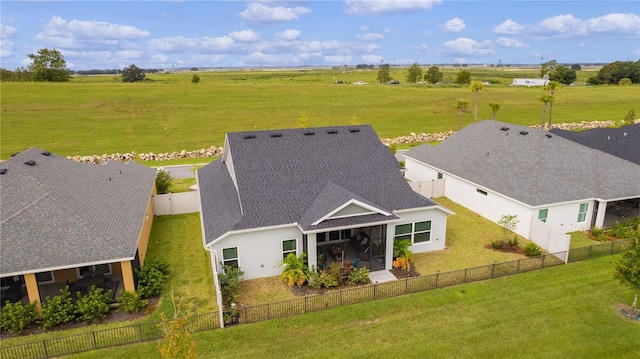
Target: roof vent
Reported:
[(548, 135), (30, 163), (332, 132), (249, 137), (524, 133), (504, 128), (275, 135), (624, 134), (3, 171), (46, 153), (309, 133), (354, 130)]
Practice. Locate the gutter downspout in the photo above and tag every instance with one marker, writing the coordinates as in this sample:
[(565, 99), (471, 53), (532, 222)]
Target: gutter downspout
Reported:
[(214, 269)]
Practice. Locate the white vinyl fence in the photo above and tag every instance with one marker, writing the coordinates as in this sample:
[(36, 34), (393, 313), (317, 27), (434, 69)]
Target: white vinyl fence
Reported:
[(429, 189), (550, 239), (176, 203)]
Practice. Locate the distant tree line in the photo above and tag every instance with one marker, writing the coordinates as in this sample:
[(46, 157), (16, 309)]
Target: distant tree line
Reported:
[(613, 73)]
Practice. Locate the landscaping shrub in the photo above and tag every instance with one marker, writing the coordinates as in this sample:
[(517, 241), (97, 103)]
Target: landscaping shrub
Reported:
[(229, 285), (513, 242), (328, 280), (532, 249), (358, 276), (294, 270), (163, 181), (151, 277), (334, 270), (57, 310), (598, 233), (94, 306), (496, 243), (131, 301), (622, 230), (16, 317)]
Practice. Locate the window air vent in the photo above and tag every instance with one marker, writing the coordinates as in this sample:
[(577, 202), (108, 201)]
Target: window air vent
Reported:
[(354, 130), (548, 135), (504, 128), (276, 135), (249, 137), (3, 171), (524, 133), (30, 163), (309, 133), (46, 153), (332, 132)]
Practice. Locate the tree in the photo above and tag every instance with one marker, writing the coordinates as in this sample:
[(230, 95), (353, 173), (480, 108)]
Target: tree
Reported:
[(475, 87), (175, 343), (461, 105), (548, 68), (463, 77), (163, 181), (544, 99), (576, 67), (294, 271), (433, 75), (627, 269), (563, 75), (552, 86), (414, 74), (495, 107), (48, 65), (509, 223), (195, 79), (384, 74), (132, 74)]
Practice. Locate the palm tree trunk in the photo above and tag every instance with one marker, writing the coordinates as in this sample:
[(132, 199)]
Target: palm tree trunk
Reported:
[(544, 111), (460, 120), (550, 109), (475, 117), (635, 302)]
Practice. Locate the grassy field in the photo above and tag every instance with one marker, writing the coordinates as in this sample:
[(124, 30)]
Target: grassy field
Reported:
[(567, 311), (99, 115)]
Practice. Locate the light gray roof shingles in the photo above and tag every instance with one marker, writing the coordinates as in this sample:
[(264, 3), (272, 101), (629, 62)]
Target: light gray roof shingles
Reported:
[(537, 168), (281, 174), (60, 213)]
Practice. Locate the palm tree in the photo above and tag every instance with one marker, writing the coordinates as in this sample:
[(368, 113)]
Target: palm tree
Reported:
[(475, 87), (494, 108), (552, 86), (461, 105), (294, 270), (544, 99)]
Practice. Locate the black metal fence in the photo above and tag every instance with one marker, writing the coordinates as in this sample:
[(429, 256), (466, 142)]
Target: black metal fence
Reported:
[(72, 344)]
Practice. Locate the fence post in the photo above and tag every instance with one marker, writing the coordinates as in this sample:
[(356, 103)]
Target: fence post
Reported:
[(611, 250), (305, 303), (406, 285), (340, 297), (465, 276), (44, 348), (590, 247), (375, 292), (518, 269), (437, 278), (543, 257), (493, 268), (95, 343), (140, 331)]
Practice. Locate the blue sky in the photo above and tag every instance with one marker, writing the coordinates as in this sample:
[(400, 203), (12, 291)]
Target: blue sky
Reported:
[(178, 34)]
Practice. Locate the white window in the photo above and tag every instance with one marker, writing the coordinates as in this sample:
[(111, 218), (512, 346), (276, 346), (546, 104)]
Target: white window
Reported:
[(542, 215), (230, 257), (418, 232), (288, 246), (582, 213)]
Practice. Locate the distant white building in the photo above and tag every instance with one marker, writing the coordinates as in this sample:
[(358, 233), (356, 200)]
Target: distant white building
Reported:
[(529, 82)]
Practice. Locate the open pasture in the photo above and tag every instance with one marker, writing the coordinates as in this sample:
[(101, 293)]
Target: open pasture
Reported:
[(98, 114)]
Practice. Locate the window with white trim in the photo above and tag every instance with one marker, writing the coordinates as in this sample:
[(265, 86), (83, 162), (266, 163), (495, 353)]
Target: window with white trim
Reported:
[(288, 246), (542, 215), (417, 232), (230, 257), (582, 213), (44, 277)]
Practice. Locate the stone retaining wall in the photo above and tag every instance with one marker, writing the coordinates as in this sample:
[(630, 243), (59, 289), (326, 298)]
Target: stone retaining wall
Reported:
[(214, 151)]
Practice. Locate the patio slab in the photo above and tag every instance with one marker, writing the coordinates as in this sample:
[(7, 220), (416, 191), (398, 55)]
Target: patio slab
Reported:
[(381, 276)]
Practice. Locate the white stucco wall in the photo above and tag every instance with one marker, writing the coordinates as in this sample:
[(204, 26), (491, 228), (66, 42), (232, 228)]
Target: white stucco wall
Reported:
[(260, 252), (438, 220)]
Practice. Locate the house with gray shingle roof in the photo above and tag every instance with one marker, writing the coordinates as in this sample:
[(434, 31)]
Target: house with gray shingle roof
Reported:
[(333, 193), (62, 222), (496, 168)]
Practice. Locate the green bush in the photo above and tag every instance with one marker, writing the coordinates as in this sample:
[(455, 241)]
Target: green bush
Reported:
[(358, 276), (513, 242), (195, 79), (532, 249), (131, 302), (94, 306), (597, 233), (230, 285), (163, 181), (622, 230), (16, 317), (496, 243), (625, 81), (57, 310), (151, 277), (334, 270)]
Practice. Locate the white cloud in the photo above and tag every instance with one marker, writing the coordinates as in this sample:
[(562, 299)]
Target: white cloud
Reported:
[(511, 42), (509, 27), (372, 59), (613, 23), (338, 59), (454, 25), (261, 14), (6, 48), (570, 27), (370, 36), (75, 29), (177, 44), (245, 35), (289, 35), (379, 7), (7, 32), (364, 28), (463, 46)]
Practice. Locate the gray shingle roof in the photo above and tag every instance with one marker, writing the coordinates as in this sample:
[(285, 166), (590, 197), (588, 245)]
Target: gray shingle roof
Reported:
[(623, 142), (298, 176), (537, 168), (61, 213)]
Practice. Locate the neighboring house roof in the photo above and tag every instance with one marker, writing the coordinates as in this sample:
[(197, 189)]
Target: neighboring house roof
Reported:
[(57, 213), (536, 168), (623, 142), (318, 178)]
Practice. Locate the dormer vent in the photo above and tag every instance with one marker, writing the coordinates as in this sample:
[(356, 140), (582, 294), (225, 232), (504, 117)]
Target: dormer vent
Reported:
[(249, 137), (309, 133), (504, 128), (524, 133), (46, 153), (354, 130), (3, 171), (30, 163), (276, 135)]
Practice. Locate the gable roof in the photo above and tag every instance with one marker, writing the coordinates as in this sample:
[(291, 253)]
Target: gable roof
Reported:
[(623, 142), (302, 176), (58, 213), (536, 168)]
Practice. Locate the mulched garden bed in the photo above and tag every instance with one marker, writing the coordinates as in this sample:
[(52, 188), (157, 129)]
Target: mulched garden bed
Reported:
[(402, 274), (506, 247)]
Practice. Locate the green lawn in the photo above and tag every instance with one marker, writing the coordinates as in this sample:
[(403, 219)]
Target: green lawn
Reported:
[(561, 312), (97, 115), (182, 184)]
